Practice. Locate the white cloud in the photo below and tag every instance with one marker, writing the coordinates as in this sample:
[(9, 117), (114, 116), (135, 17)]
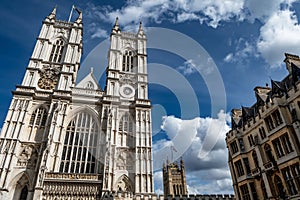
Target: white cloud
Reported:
[(197, 65), (244, 50), (188, 67), (99, 33), (211, 12), (229, 57), (278, 35), (262, 10), (205, 158)]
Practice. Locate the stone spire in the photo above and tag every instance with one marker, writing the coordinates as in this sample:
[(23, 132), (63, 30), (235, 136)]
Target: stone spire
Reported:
[(116, 28), (52, 14), (141, 31), (79, 18)]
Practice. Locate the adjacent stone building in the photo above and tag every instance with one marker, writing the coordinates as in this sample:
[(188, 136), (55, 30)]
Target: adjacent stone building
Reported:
[(174, 179), (263, 144)]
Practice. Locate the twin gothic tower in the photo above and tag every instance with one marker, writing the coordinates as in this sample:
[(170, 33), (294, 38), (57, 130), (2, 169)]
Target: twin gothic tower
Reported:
[(62, 140)]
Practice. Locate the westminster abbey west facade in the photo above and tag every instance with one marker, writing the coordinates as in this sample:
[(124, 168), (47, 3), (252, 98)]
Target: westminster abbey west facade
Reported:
[(62, 140)]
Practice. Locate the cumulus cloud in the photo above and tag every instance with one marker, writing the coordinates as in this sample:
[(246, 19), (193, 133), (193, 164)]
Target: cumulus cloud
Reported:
[(99, 33), (211, 12), (262, 10), (206, 155), (244, 50), (192, 66), (188, 67), (278, 35)]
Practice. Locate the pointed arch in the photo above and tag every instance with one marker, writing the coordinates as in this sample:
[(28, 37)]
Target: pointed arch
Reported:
[(80, 143), (126, 123), (86, 109), (279, 186), (124, 184), (20, 185), (129, 59), (57, 51), (39, 116), (126, 130)]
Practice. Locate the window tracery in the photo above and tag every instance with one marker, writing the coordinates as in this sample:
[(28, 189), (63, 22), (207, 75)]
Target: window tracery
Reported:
[(38, 117), (79, 152), (57, 51), (128, 61)]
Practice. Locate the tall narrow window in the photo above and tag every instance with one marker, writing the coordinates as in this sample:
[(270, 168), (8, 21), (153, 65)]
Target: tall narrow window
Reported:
[(245, 192), (247, 166), (268, 152), (255, 160), (79, 152), (286, 143), (278, 148), (57, 51), (289, 179), (128, 61), (125, 130), (24, 193), (38, 117), (239, 168), (125, 124)]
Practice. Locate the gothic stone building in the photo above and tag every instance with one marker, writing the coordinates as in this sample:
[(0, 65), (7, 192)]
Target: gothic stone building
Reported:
[(263, 144), (62, 140), (174, 179)]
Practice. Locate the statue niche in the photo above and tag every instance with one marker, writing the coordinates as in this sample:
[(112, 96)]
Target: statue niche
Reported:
[(28, 157)]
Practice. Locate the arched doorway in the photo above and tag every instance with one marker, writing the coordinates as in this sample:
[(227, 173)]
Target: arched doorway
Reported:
[(124, 184), (21, 186)]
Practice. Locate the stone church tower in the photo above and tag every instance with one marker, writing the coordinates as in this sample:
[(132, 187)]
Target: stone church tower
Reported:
[(73, 140), (174, 179)]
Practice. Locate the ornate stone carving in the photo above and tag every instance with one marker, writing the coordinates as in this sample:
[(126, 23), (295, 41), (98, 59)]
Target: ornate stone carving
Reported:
[(66, 190), (125, 158), (128, 79), (48, 77), (28, 156)]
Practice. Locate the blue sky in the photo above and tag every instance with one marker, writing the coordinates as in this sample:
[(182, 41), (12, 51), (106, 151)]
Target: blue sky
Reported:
[(243, 41)]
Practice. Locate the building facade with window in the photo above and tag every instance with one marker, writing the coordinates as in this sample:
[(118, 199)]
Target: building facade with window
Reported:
[(174, 179), (63, 140), (263, 145)]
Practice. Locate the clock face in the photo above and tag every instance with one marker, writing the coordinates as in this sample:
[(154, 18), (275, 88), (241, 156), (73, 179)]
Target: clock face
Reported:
[(46, 83), (48, 78), (127, 91)]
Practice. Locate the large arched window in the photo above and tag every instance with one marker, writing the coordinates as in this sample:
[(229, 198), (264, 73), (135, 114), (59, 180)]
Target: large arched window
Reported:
[(57, 51), (79, 152), (38, 117), (128, 61)]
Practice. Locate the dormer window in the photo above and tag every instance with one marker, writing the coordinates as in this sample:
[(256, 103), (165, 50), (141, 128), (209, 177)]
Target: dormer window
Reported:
[(57, 51)]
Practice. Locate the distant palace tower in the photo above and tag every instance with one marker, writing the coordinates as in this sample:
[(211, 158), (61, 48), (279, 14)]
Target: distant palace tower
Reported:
[(78, 141), (174, 179)]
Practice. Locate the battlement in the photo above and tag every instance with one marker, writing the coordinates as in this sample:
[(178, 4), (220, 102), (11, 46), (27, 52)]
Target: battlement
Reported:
[(130, 196)]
